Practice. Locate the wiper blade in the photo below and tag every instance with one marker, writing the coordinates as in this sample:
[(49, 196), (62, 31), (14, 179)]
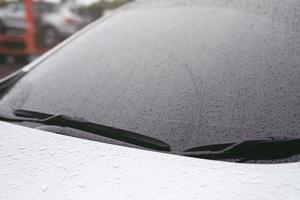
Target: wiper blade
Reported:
[(264, 149), (94, 128)]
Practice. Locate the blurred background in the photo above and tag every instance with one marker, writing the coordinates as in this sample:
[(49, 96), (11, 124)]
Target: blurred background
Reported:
[(29, 28)]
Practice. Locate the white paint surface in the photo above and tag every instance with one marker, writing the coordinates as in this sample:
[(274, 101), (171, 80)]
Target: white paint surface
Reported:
[(40, 165)]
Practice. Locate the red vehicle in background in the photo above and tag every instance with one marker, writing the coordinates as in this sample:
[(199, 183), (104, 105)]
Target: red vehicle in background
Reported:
[(28, 47), (29, 28)]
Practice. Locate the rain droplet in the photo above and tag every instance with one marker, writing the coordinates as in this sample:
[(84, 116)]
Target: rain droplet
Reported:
[(203, 184), (73, 175), (44, 188), (286, 184), (297, 188), (15, 158), (116, 166), (21, 148), (14, 186), (81, 185), (42, 148)]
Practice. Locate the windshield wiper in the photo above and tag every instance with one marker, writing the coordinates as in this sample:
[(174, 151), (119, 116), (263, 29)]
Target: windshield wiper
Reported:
[(94, 128), (264, 149)]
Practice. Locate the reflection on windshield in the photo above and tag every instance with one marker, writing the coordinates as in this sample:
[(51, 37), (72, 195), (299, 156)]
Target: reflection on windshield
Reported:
[(30, 28)]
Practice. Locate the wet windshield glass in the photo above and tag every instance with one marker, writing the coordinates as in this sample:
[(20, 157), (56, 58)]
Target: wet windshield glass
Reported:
[(190, 74)]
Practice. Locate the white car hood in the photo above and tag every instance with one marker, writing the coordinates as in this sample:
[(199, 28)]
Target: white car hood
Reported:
[(41, 165)]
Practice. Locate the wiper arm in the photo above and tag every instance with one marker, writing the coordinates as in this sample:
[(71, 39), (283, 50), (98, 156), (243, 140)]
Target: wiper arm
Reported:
[(94, 128), (264, 149)]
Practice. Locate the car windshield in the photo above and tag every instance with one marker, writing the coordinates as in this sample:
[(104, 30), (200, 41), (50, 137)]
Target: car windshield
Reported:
[(190, 73)]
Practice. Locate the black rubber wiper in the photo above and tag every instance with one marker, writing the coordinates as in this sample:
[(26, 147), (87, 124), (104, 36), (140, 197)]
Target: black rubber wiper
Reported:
[(94, 128), (264, 149)]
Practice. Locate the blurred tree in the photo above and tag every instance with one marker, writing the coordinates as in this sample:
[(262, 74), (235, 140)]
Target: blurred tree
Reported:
[(109, 5), (5, 2), (2, 2)]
